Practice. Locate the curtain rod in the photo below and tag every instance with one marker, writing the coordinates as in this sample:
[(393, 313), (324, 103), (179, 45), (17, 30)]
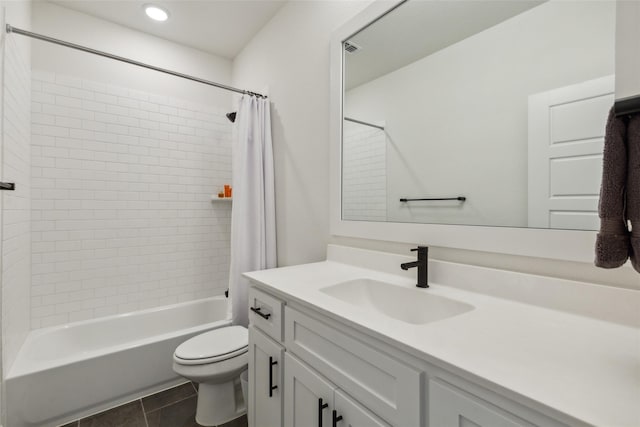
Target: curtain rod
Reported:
[(15, 30), (349, 119)]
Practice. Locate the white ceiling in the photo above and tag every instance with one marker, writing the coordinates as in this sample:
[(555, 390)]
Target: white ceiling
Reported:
[(220, 27), (419, 28)]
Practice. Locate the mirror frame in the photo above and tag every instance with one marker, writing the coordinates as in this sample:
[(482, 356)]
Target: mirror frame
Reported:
[(567, 245)]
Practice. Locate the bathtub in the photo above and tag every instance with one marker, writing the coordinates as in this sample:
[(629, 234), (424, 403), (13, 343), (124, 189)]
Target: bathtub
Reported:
[(70, 371)]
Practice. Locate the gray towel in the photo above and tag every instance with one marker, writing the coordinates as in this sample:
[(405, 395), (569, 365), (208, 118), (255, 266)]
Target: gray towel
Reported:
[(633, 188), (612, 243)]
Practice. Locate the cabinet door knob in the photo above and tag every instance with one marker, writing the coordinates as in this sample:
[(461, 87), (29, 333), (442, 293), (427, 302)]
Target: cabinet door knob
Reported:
[(271, 386), (321, 407), (257, 310), (336, 418)]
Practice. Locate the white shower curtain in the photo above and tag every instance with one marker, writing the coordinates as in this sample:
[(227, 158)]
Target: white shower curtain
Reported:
[(253, 219)]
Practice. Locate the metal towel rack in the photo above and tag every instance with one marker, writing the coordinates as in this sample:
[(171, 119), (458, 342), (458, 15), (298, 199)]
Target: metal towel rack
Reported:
[(627, 106), (459, 198)]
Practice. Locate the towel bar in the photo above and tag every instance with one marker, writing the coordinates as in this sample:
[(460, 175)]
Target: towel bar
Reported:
[(460, 198), (627, 106)]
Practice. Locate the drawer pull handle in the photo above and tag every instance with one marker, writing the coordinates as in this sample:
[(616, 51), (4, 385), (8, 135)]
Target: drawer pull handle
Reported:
[(260, 313), (336, 418), (271, 386), (321, 407)]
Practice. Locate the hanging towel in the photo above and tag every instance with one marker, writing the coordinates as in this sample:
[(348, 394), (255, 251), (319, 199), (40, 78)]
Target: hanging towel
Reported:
[(612, 242), (633, 188)]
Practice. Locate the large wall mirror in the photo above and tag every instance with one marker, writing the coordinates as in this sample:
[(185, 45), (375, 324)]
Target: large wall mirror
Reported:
[(482, 112), (498, 107)]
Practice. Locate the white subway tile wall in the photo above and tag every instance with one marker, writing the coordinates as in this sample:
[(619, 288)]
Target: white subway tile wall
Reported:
[(364, 179), (16, 205), (122, 218)]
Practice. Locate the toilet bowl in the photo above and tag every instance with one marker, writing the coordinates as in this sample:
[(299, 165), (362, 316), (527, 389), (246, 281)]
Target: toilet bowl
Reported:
[(215, 360)]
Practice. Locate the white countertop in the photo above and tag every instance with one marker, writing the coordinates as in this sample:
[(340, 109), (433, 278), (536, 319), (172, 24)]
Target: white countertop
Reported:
[(583, 367)]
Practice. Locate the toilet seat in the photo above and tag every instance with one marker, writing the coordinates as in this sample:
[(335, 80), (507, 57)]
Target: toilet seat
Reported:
[(213, 346)]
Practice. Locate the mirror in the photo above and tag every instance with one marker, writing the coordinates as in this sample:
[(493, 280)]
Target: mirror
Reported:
[(498, 107)]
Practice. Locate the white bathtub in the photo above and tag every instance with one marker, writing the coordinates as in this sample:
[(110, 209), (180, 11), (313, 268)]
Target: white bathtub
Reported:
[(67, 372)]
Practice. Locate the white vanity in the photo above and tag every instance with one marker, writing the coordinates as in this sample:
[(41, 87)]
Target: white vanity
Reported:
[(352, 342)]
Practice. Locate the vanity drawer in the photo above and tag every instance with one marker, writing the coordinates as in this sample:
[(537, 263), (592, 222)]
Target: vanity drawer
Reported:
[(391, 389), (265, 313)]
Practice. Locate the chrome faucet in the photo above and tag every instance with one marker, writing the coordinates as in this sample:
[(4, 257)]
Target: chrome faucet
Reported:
[(423, 266)]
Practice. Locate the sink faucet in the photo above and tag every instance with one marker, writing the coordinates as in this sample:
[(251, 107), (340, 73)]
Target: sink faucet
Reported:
[(422, 264)]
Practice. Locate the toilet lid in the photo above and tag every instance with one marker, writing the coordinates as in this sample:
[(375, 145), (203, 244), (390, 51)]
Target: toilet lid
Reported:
[(219, 344)]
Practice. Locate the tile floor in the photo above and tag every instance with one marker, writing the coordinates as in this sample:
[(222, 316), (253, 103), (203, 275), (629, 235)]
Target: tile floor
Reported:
[(175, 407)]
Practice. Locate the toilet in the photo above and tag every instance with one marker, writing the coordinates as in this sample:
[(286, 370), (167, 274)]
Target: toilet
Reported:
[(215, 360)]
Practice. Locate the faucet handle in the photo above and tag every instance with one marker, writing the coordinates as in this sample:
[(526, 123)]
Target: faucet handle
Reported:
[(419, 248)]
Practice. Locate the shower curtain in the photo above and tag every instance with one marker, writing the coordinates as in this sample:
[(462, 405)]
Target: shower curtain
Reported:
[(253, 220)]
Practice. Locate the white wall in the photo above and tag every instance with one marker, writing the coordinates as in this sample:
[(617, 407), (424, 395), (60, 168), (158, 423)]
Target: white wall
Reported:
[(122, 217), (628, 58), (290, 55), (481, 150), (68, 25), (15, 166)]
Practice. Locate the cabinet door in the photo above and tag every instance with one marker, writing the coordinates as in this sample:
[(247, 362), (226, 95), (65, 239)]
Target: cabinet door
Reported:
[(353, 414), (451, 407), (265, 380), (372, 377), (308, 397)]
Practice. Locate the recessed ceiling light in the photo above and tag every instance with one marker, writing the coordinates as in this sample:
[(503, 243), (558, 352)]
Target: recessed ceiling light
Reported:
[(156, 13)]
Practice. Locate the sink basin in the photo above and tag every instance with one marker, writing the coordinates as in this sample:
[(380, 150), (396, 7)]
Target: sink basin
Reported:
[(410, 305)]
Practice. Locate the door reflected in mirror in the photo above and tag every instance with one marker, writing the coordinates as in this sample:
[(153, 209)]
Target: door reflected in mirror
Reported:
[(486, 113)]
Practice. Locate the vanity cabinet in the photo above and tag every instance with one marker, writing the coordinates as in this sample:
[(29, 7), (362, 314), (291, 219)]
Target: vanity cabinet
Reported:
[(452, 407), (353, 414), (266, 360), (326, 374), (312, 400), (379, 381), (285, 390), (308, 396)]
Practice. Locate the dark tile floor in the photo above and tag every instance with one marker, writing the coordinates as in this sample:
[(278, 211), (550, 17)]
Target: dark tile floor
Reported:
[(175, 407)]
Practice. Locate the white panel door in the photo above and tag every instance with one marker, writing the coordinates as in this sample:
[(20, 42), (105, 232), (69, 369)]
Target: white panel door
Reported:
[(265, 380), (308, 396), (566, 139)]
